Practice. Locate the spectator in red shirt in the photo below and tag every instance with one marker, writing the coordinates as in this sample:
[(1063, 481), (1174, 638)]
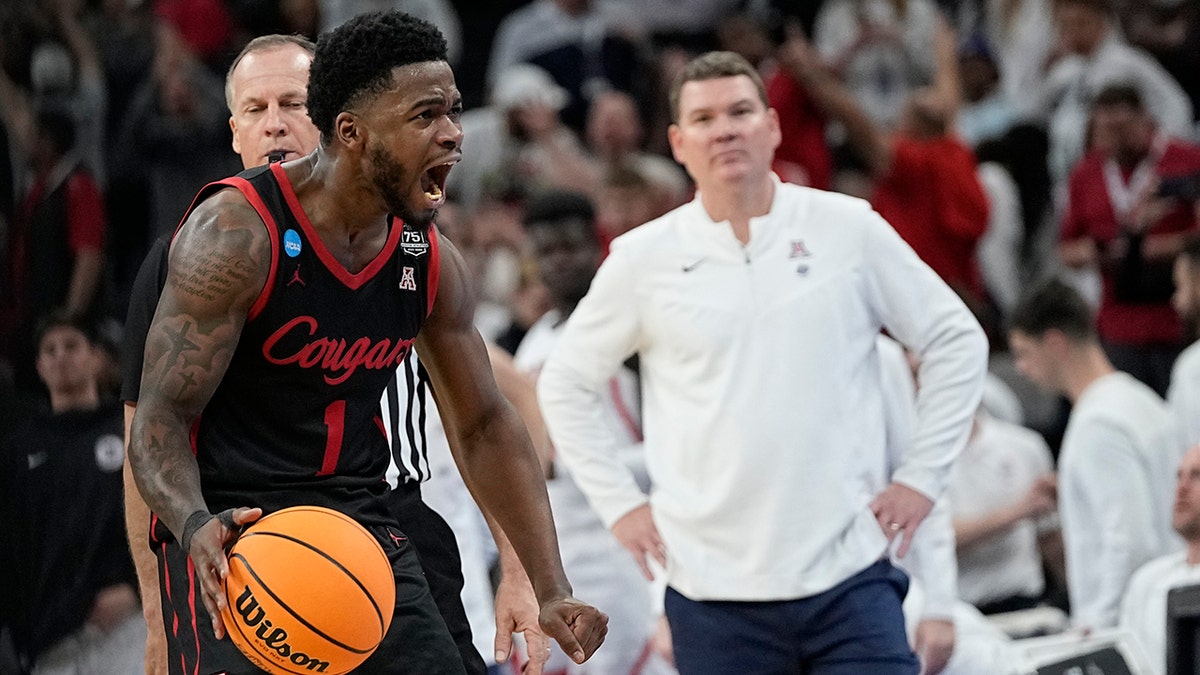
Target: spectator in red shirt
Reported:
[(55, 252), (925, 181), (801, 125), (1130, 203), (927, 188)]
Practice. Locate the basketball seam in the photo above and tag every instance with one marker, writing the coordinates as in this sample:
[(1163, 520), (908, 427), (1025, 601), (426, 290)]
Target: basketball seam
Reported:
[(328, 512)]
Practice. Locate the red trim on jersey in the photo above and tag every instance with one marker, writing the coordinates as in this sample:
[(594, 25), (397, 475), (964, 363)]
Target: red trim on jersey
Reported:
[(256, 201), (379, 423), (353, 281), (243, 186), (614, 390), (153, 525), (192, 610), (435, 268), (203, 194)]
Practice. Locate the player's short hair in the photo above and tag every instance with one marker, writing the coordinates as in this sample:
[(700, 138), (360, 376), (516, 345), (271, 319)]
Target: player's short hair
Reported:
[(355, 61), (263, 43), (1054, 305), (60, 318), (711, 66), (552, 207)]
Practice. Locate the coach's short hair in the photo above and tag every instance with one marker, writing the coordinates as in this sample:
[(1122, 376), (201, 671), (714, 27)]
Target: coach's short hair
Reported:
[(1054, 305), (261, 44), (711, 66), (355, 61)]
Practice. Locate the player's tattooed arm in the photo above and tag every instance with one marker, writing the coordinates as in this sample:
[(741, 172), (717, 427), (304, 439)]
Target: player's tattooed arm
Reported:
[(219, 263)]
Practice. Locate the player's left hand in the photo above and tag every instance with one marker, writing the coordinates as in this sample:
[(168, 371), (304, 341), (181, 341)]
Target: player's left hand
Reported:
[(517, 612), (578, 627), (934, 644), (899, 510)]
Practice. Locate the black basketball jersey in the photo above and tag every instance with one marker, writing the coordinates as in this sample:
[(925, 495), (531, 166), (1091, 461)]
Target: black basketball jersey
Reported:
[(296, 419)]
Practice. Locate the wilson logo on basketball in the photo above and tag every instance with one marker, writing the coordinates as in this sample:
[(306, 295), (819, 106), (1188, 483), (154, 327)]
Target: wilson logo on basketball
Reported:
[(273, 637), (338, 358)]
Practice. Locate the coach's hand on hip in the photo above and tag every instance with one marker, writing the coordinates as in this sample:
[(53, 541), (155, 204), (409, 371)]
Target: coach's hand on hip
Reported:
[(637, 533), (206, 545), (899, 510)]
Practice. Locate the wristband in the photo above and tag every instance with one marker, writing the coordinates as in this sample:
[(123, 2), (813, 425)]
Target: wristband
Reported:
[(226, 518), (197, 520)]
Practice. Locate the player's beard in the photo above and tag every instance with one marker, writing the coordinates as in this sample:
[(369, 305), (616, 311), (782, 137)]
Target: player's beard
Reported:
[(387, 174)]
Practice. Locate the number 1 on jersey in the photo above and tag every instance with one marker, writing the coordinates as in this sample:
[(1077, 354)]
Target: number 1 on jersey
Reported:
[(335, 425)]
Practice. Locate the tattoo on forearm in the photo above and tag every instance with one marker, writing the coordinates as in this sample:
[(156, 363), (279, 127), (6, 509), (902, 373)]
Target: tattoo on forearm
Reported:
[(187, 382), (180, 345), (217, 267)]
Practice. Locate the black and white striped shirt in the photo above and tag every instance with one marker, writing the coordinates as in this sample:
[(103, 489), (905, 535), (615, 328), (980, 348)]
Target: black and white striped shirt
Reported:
[(406, 407)]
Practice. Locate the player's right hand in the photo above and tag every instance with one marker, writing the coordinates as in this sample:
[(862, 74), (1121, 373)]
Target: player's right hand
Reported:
[(207, 549), (578, 627)]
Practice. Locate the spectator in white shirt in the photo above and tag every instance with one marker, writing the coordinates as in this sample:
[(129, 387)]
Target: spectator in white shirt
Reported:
[(1001, 491), (1117, 460)]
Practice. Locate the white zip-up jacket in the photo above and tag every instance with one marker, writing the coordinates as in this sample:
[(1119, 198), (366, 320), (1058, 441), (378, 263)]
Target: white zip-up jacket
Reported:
[(763, 415)]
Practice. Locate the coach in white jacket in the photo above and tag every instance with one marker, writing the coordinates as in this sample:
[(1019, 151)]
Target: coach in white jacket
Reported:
[(754, 309)]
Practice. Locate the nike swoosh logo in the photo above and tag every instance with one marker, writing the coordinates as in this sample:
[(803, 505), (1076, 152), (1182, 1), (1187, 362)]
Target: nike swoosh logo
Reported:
[(689, 268)]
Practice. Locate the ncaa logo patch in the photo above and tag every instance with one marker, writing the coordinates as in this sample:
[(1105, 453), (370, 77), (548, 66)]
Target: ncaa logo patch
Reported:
[(408, 279), (110, 453), (413, 243), (291, 243)]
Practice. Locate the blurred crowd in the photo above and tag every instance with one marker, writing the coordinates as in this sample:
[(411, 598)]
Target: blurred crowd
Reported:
[(1007, 141)]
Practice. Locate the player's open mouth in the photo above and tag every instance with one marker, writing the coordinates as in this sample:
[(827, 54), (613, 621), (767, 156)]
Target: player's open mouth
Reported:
[(433, 182)]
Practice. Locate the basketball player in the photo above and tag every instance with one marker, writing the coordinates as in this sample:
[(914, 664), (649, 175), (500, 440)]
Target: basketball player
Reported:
[(754, 311), (266, 90), (235, 338)]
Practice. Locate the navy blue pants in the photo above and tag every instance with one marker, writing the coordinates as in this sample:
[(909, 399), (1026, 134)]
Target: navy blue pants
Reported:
[(853, 628)]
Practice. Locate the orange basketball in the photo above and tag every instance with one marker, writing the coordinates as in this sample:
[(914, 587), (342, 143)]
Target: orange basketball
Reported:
[(309, 591)]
